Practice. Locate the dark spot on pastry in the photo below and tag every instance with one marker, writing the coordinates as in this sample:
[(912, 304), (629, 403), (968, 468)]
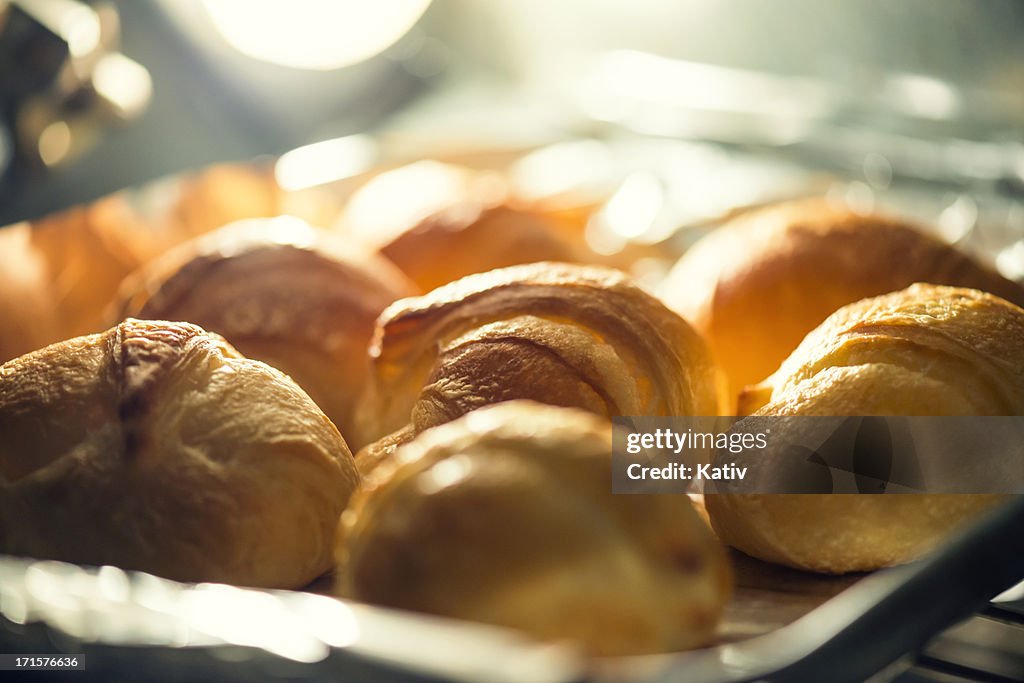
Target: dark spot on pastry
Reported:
[(686, 559)]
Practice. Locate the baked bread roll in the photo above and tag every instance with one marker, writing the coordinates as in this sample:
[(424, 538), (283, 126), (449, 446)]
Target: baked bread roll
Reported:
[(282, 292), (926, 350), (156, 446), (757, 285), (506, 516), (562, 334), (474, 238), (177, 208), (60, 273), (450, 221), (28, 318), (69, 267), (221, 194)]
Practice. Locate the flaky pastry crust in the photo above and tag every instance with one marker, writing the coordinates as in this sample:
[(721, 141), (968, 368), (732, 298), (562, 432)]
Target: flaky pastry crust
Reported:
[(758, 284), (925, 350), (58, 274), (506, 516), (562, 334), (282, 292), (156, 446), (473, 238)]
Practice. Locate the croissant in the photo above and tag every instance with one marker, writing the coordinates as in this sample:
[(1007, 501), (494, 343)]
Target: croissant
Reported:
[(221, 194), (506, 516), (282, 292), (156, 446), (60, 273), (28, 319), (454, 221), (561, 334), (473, 238), (926, 350), (757, 285)]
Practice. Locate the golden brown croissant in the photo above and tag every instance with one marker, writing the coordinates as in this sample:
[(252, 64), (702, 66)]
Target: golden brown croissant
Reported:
[(175, 209), (281, 292), (926, 350), (222, 194), (156, 446), (506, 516), (28, 318), (757, 285), (60, 273), (473, 238), (453, 221), (568, 335)]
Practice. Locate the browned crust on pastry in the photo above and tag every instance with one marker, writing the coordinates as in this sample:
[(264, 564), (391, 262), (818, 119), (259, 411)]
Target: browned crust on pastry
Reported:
[(594, 314), (156, 446), (473, 238), (925, 350), (506, 516), (758, 284), (297, 300)]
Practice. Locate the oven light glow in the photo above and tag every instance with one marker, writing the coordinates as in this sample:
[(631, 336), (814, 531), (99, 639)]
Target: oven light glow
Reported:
[(313, 34), (324, 162)]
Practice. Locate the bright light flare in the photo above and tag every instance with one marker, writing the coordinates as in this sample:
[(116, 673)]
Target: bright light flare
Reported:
[(325, 162), (319, 35)]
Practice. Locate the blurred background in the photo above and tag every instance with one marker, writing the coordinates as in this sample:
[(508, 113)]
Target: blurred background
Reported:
[(102, 95)]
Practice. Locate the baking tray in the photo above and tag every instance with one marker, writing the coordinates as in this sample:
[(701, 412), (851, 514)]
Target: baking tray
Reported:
[(781, 625)]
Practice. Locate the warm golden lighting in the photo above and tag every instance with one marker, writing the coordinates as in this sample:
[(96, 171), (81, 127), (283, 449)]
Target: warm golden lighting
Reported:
[(124, 84), (562, 168), (55, 143), (398, 199), (75, 22), (313, 34), (633, 209), (325, 162)]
